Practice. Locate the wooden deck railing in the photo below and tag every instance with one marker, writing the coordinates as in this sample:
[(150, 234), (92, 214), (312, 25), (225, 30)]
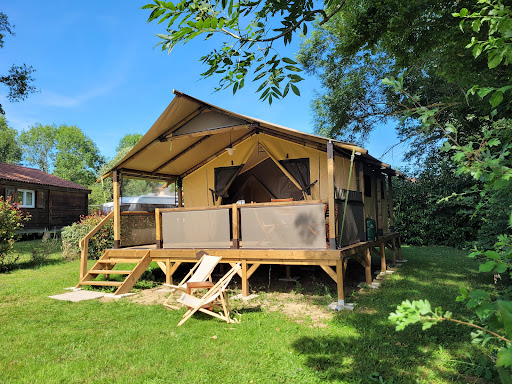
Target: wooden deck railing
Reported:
[(235, 216), (84, 243)]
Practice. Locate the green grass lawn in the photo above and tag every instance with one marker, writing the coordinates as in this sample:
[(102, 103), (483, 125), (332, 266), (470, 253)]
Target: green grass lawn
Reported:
[(49, 341)]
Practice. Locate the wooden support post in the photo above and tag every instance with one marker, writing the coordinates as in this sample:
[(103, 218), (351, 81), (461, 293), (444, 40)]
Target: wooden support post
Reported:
[(83, 258), (168, 275), (399, 248), (383, 267), (393, 250), (288, 273), (330, 180), (362, 188), (117, 210), (368, 266), (390, 204), (245, 280), (158, 224), (339, 281), (179, 185), (236, 230), (379, 205)]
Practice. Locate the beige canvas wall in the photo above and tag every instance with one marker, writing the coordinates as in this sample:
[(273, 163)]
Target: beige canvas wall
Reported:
[(196, 185)]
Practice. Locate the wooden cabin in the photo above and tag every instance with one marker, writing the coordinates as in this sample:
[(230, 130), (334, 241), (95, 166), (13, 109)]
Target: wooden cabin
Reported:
[(254, 192), (52, 202)]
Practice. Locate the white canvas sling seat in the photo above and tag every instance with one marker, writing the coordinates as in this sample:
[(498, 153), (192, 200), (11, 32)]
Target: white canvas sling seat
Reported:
[(200, 272), (215, 296)]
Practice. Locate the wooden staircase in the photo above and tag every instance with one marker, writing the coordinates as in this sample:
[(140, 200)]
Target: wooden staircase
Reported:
[(106, 263)]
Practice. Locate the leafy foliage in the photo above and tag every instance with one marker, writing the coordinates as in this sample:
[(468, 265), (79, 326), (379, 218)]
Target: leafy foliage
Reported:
[(10, 151), (370, 40), (128, 140), (250, 29), (72, 234), (486, 158), (11, 220), (19, 79), (65, 151)]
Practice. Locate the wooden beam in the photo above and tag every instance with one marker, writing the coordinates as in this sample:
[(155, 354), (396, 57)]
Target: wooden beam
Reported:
[(390, 204), (393, 253), (245, 279), (236, 226), (399, 248), (379, 206), (383, 267), (158, 224), (330, 181), (330, 272), (339, 280), (362, 187), (117, 209), (186, 150), (179, 186), (251, 270), (368, 267)]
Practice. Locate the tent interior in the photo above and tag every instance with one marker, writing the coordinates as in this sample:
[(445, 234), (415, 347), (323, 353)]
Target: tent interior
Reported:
[(260, 180)]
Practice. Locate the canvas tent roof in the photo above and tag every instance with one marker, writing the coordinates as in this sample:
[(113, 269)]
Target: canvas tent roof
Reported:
[(191, 132)]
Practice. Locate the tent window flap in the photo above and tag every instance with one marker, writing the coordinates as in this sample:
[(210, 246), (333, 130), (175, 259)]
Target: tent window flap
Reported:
[(299, 169)]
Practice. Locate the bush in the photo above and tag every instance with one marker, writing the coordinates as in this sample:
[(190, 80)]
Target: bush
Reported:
[(72, 235), (11, 220)]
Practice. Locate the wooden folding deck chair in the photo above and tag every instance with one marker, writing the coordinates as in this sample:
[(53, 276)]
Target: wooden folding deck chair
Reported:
[(215, 296), (200, 272)]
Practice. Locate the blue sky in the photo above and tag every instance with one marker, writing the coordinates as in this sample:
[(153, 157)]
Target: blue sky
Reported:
[(97, 68)]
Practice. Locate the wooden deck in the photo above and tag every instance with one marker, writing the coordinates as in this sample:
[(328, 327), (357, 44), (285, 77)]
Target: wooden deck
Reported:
[(332, 261)]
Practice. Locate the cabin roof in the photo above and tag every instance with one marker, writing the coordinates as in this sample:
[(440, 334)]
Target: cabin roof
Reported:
[(35, 176), (191, 131)]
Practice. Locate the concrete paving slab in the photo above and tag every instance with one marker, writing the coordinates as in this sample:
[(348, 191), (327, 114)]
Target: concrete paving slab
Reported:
[(76, 296)]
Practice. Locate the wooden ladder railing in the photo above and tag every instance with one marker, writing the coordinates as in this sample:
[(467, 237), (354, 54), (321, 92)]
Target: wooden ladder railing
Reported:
[(84, 243)]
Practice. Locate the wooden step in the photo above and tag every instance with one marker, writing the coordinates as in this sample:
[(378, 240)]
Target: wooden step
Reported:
[(118, 260), (106, 283), (109, 271)]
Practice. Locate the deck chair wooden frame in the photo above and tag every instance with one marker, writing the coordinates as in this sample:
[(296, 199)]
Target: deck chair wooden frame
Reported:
[(216, 296), (201, 271)]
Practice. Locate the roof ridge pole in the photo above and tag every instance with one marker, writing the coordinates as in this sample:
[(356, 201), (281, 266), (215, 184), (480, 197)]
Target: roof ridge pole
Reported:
[(330, 180)]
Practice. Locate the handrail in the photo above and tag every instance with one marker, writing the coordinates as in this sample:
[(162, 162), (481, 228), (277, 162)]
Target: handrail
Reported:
[(84, 243), (271, 204)]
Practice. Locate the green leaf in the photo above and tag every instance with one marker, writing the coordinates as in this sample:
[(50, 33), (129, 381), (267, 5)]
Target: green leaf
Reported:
[(494, 60), (487, 267), (493, 255), (289, 61), (504, 358), (482, 92), (505, 309), (463, 12), (496, 98), (476, 25), (295, 89), (480, 294)]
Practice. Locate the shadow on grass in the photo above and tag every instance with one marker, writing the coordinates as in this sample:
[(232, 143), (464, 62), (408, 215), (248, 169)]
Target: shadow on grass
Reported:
[(33, 264), (365, 346)]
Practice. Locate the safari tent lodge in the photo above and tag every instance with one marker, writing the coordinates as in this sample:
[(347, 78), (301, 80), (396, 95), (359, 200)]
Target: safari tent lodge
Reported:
[(252, 192)]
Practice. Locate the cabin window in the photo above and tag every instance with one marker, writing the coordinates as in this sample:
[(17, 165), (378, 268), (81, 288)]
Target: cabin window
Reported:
[(367, 186), (26, 198)]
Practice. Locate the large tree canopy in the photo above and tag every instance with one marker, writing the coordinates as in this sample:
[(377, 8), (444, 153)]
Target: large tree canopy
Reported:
[(10, 151), (19, 79), (65, 151), (370, 40)]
